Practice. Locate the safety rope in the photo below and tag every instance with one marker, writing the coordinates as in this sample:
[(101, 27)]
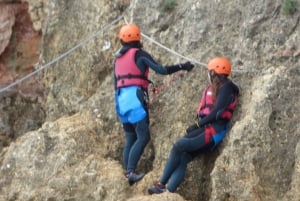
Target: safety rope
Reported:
[(172, 51), (194, 61), (156, 90)]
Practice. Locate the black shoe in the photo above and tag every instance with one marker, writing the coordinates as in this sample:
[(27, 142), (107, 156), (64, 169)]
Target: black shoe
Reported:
[(157, 189), (133, 177)]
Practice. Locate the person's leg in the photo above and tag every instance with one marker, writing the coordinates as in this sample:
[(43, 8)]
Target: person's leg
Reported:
[(178, 151), (143, 137), (190, 146), (182, 145), (178, 175), (192, 141), (171, 164), (130, 138), (137, 149), (175, 167), (174, 170)]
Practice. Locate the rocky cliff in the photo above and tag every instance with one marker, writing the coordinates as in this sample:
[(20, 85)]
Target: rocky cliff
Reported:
[(61, 140)]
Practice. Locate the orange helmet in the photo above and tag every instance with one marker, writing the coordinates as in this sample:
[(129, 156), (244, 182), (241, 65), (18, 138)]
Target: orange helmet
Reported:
[(219, 65), (129, 33)]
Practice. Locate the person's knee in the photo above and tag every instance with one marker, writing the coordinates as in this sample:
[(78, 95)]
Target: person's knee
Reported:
[(143, 131), (186, 158), (145, 139), (179, 145)]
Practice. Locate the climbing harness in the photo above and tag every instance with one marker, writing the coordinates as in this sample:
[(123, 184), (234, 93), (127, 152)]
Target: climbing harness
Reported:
[(218, 137)]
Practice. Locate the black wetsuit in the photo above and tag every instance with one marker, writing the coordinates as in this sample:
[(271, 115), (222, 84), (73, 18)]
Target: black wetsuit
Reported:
[(138, 134), (194, 142)]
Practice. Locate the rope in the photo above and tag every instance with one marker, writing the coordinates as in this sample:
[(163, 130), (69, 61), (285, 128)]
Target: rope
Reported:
[(192, 59), (61, 56), (168, 49), (156, 90), (250, 71), (172, 51)]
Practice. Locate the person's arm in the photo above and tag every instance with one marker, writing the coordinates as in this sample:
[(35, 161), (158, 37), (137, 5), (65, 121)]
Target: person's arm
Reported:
[(144, 60), (115, 78)]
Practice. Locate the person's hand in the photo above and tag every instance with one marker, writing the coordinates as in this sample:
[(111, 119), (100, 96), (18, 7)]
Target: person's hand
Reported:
[(187, 66), (192, 127)]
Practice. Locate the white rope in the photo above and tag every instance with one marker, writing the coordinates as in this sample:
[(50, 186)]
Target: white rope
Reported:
[(250, 71), (172, 51), (193, 60), (168, 49), (61, 56)]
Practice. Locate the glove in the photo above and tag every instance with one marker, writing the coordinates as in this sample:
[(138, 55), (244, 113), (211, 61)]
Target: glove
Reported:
[(192, 127), (187, 66)]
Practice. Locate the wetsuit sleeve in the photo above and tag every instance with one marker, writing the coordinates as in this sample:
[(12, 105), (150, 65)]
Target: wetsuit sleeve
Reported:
[(144, 60), (225, 96)]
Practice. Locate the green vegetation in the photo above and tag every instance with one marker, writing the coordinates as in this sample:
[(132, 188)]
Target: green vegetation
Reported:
[(168, 5), (289, 7)]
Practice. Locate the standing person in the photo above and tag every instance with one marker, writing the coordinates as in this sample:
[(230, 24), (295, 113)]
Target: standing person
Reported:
[(214, 113), (131, 69)]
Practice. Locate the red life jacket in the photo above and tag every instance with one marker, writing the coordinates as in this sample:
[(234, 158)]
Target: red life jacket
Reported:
[(127, 72), (207, 103), (205, 107)]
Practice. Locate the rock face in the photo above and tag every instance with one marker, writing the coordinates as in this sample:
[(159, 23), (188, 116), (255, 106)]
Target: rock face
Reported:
[(22, 107), (77, 152), (7, 21)]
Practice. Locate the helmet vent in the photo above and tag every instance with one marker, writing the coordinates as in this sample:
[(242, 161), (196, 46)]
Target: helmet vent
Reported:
[(130, 32)]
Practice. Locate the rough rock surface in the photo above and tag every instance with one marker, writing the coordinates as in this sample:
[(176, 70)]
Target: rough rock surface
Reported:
[(22, 107), (76, 153)]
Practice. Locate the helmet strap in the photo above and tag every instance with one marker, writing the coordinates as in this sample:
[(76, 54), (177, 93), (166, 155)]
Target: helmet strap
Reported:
[(211, 75)]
